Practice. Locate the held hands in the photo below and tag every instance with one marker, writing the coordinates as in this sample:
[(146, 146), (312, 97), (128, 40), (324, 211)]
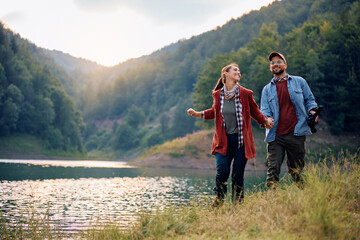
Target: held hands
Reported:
[(269, 122)]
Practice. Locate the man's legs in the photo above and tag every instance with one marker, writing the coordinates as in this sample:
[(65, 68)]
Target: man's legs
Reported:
[(295, 152), (294, 146), (275, 157)]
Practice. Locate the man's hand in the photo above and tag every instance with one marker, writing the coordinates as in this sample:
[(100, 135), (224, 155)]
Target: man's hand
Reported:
[(317, 117), (313, 118), (269, 122)]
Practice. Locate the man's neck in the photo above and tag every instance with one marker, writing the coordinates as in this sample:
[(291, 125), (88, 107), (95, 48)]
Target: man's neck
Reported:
[(280, 75)]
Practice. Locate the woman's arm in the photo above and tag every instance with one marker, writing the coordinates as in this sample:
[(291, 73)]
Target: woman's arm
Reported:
[(205, 114), (191, 112)]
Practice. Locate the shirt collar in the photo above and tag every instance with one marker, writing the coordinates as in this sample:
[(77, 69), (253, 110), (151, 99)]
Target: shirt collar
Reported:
[(274, 79)]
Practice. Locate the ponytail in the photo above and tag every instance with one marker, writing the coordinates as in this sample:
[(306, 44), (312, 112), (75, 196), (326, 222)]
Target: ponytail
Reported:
[(219, 84)]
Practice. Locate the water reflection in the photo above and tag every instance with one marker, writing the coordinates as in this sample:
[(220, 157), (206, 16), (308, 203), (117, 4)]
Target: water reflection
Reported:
[(74, 203), (74, 197)]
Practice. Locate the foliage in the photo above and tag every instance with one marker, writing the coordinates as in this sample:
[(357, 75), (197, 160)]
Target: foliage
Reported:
[(324, 52), (32, 101), (310, 33), (162, 84), (320, 39)]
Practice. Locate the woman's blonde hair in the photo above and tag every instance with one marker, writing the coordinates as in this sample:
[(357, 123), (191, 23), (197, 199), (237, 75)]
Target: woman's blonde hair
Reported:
[(222, 79)]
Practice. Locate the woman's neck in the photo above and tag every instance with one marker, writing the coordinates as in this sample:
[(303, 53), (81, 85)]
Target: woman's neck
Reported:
[(230, 85)]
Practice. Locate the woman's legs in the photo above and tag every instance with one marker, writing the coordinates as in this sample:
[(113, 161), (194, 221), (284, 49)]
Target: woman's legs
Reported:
[(237, 176), (222, 174), (223, 165)]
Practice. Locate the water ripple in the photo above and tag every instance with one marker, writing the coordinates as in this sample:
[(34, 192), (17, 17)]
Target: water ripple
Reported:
[(76, 203)]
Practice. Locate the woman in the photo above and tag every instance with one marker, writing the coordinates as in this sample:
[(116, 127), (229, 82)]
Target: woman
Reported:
[(233, 142)]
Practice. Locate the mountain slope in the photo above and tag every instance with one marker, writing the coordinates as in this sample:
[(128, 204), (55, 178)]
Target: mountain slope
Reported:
[(33, 101), (160, 86)]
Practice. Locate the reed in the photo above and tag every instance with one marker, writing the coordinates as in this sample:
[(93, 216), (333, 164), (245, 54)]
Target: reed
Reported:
[(30, 226)]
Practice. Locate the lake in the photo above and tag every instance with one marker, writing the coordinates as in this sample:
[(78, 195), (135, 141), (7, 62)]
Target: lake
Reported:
[(76, 194)]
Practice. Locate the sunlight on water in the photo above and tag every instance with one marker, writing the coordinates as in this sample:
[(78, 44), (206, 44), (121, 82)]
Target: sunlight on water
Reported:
[(76, 195), (75, 204)]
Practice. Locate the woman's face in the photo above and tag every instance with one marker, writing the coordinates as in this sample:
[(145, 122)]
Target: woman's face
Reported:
[(233, 74)]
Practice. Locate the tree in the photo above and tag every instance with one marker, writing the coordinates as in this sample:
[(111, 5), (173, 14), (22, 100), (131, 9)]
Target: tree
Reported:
[(15, 94), (125, 137), (135, 117), (182, 123), (44, 114), (10, 116)]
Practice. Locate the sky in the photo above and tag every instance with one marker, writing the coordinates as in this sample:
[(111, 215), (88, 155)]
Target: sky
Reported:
[(111, 31)]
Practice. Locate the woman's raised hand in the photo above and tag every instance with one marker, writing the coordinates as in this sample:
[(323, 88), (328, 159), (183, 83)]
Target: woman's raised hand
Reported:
[(191, 112)]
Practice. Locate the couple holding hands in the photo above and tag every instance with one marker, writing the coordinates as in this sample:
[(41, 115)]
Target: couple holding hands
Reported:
[(285, 104)]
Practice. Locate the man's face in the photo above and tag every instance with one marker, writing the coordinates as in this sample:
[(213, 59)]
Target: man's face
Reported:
[(277, 65)]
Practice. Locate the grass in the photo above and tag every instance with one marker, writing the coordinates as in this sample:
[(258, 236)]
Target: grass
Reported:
[(326, 207), (27, 146), (191, 145), (29, 227)]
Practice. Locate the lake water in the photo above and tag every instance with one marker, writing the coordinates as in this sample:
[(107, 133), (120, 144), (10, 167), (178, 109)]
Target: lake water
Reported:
[(76, 194)]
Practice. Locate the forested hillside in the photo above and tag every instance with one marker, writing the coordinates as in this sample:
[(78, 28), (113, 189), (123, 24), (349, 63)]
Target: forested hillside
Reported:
[(142, 102), (324, 50), (32, 100), (320, 39)]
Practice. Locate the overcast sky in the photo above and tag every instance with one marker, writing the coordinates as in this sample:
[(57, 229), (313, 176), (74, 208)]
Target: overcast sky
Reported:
[(112, 31)]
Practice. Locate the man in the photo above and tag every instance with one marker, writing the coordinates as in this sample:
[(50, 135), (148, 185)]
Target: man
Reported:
[(287, 99)]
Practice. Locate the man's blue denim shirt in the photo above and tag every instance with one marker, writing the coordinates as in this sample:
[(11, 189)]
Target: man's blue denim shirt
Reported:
[(300, 96)]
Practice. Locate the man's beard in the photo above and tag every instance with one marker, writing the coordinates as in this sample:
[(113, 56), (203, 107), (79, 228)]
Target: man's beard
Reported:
[(279, 72)]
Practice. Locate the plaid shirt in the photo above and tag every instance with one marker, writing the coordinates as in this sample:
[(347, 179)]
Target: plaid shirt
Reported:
[(238, 107)]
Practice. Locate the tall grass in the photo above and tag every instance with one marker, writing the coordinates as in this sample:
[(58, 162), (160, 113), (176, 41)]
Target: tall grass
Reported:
[(327, 206), (31, 226)]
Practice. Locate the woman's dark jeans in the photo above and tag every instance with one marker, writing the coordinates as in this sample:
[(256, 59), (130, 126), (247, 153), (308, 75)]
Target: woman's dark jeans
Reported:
[(236, 156)]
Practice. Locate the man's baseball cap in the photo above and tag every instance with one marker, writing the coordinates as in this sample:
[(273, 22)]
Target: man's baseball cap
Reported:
[(273, 54)]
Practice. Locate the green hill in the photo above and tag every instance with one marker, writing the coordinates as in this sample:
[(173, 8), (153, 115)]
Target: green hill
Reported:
[(33, 101), (309, 33), (142, 102), (25, 146)]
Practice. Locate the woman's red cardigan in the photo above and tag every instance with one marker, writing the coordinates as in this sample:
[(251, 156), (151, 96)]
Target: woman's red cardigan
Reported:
[(249, 109)]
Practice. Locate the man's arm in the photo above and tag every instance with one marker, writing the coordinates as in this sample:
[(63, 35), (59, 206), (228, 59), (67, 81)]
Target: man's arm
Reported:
[(264, 105), (309, 98)]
